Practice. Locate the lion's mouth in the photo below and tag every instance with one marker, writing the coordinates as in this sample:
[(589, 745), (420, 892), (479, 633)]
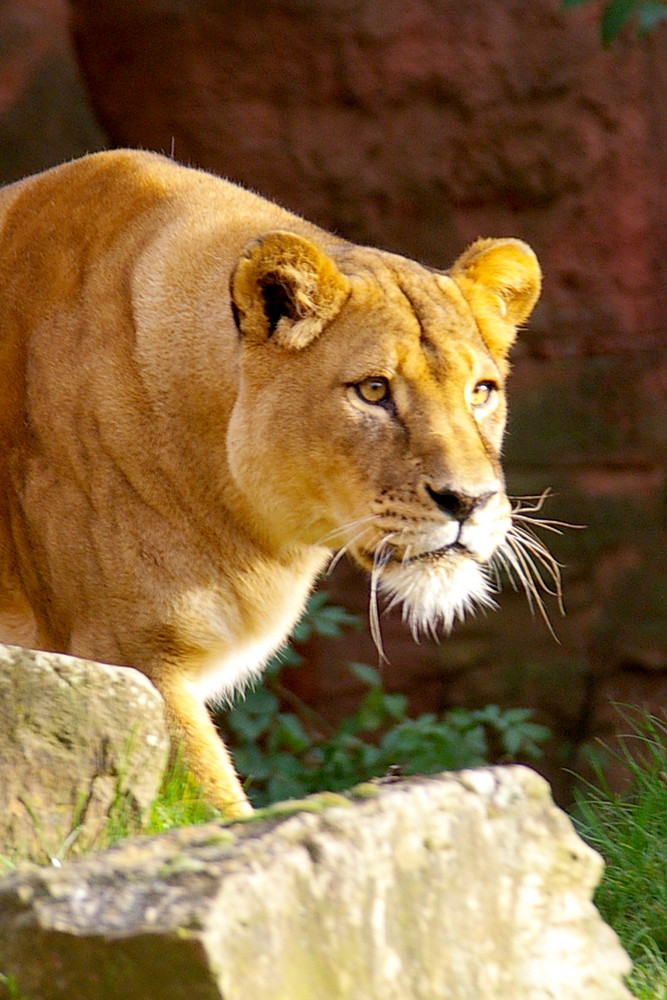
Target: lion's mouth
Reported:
[(455, 549), (448, 547), (392, 557)]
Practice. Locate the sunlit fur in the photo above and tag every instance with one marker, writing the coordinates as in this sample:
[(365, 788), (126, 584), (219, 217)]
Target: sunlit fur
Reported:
[(182, 418)]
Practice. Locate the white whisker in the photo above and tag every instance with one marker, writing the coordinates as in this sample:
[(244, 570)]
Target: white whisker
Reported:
[(523, 511), (523, 567), (380, 559), (438, 586), (536, 502), (500, 561), (526, 537), (345, 549), (554, 526), (527, 561), (344, 529)]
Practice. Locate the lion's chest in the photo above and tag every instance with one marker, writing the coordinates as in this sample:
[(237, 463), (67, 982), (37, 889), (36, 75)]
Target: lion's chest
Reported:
[(237, 629), (228, 668)]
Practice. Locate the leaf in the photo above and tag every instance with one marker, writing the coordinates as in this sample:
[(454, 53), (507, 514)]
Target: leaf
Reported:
[(252, 763), (372, 713), (651, 12), (614, 17), (290, 733), (286, 786), (254, 715), (249, 727), (261, 701), (525, 739), (395, 706), (492, 715), (369, 675), (322, 618)]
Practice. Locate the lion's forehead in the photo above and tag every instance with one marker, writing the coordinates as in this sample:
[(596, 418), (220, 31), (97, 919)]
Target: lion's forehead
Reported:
[(415, 318)]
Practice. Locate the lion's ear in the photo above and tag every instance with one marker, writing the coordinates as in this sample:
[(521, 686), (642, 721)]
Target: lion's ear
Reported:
[(286, 288), (501, 280)]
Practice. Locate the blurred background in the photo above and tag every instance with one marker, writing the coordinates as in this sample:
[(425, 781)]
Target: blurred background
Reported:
[(417, 126)]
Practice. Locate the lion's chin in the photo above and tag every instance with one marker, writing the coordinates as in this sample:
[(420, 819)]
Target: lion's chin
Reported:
[(435, 593)]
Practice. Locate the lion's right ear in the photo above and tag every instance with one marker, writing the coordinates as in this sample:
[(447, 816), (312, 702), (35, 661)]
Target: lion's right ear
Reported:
[(287, 288)]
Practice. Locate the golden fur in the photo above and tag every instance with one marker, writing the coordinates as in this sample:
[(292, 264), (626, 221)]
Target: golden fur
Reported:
[(203, 397)]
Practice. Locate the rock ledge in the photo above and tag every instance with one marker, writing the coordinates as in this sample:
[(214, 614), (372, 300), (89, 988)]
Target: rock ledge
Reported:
[(469, 886)]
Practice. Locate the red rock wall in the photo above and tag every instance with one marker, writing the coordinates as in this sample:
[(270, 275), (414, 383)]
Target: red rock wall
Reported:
[(418, 125), (44, 112)]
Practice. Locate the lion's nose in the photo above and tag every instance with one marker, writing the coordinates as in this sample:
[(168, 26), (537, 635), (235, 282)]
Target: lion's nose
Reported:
[(458, 505)]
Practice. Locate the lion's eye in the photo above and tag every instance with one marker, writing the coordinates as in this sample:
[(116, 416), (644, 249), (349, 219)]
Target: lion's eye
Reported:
[(482, 394), (373, 390)]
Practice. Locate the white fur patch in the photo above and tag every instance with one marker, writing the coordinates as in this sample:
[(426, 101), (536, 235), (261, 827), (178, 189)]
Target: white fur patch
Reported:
[(224, 672), (436, 594)]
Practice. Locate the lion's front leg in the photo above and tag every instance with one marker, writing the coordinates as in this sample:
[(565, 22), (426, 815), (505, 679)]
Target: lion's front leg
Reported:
[(205, 753)]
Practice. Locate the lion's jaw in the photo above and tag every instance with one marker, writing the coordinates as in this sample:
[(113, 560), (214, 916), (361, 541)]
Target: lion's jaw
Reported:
[(440, 573)]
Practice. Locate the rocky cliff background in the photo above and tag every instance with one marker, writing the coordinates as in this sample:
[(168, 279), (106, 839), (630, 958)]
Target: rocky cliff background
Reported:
[(418, 125)]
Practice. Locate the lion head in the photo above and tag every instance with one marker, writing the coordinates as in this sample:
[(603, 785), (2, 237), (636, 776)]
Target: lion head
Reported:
[(381, 385)]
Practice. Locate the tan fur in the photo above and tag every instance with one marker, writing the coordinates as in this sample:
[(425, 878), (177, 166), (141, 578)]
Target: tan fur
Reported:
[(184, 437)]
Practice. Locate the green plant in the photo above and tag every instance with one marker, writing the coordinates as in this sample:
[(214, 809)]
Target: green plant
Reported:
[(180, 802), (11, 986), (287, 754), (630, 832), (617, 13)]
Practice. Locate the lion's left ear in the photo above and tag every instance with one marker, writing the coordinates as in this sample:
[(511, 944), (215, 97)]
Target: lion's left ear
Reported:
[(286, 288), (501, 280)]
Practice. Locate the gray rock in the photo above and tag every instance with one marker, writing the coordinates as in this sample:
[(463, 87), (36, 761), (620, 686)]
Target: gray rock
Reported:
[(74, 737), (469, 886)]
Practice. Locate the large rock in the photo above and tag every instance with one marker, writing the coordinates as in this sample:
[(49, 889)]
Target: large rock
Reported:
[(77, 739), (467, 886)]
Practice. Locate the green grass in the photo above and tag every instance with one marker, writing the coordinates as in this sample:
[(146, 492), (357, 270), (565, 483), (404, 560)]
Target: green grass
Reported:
[(630, 832), (180, 802)]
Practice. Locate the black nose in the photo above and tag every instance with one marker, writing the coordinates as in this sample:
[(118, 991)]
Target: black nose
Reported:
[(458, 505)]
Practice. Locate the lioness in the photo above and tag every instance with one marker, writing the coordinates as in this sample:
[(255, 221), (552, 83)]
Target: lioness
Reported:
[(203, 397)]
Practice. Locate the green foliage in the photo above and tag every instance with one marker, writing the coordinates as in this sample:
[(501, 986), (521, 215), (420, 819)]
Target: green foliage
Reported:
[(180, 802), (12, 990), (321, 618), (617, 13), (630, 832), (289, 754)]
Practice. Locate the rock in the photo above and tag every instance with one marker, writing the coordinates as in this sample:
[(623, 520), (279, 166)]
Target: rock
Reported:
[(76, 738), (470, 885)]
